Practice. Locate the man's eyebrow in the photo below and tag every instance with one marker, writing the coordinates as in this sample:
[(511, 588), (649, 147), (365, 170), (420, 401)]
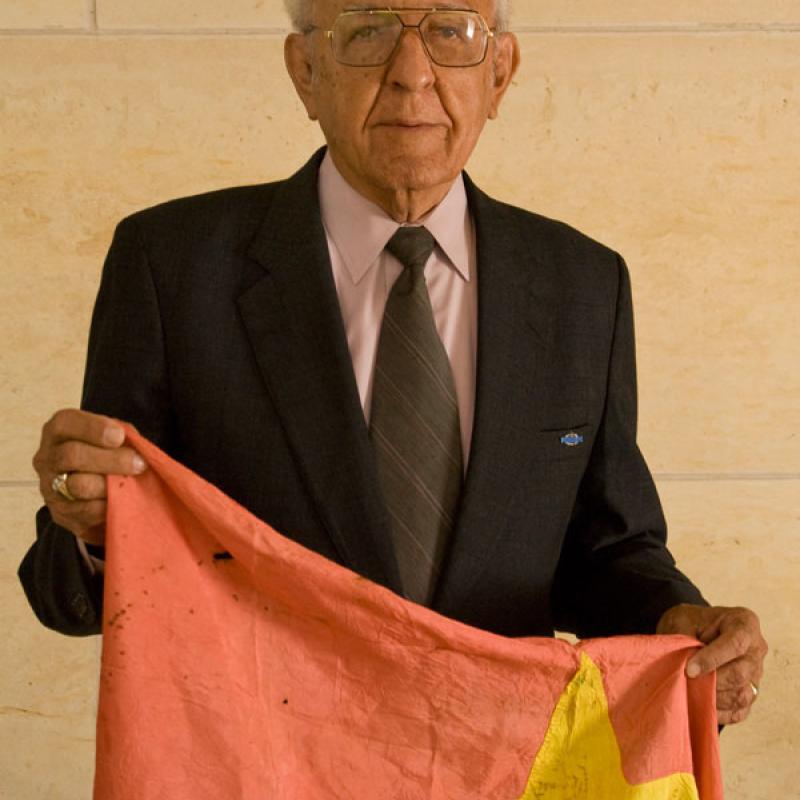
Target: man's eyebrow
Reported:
[(444, 6)]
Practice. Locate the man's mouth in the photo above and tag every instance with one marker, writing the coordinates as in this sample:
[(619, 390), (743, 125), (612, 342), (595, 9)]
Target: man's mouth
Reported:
[(410, 124)]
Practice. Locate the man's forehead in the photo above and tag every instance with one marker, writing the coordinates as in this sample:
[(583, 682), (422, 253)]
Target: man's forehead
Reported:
[(333, 7), (410, 4)]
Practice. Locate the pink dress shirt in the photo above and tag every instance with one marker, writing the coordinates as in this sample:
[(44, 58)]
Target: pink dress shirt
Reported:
[(357, 232)]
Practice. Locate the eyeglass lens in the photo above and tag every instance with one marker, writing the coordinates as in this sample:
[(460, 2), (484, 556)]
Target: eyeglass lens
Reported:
[(452, 39)]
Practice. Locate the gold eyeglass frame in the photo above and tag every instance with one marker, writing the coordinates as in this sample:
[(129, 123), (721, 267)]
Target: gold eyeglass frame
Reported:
[(490, 32)]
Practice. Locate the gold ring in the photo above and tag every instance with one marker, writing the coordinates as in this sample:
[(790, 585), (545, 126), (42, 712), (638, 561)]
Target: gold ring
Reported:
[(59, 485), (754, 688)]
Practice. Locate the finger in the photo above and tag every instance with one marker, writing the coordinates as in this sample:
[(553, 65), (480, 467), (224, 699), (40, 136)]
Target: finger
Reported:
[(76, 456), (80, 516), (84, 486), (678, 620), (735, 699), (95, 535), (72, 424), (732, 717), (739, 673), (732, 642), (83, 426), (710, 631)]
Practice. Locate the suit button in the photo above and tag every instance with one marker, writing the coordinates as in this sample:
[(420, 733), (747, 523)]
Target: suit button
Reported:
[(80, 605)]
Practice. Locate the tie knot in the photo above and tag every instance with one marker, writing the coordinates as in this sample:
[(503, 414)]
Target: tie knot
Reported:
[(411, 246)]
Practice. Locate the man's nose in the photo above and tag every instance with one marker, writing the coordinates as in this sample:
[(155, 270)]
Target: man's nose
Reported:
[(410, 67)]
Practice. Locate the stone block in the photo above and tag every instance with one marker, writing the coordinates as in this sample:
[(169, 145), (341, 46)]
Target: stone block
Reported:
[(44, 14), (191, 15), (652, 14)]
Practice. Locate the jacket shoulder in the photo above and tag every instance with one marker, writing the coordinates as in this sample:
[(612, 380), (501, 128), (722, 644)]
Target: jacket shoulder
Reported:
[(552, 253), (560, 236), (225, 212), (547, 237), (206, 214)]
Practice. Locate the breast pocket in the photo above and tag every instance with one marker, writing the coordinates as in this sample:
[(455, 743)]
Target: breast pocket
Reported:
[(565, 443)]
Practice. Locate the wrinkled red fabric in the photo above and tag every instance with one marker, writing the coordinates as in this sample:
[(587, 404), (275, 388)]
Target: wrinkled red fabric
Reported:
[(276, 674)]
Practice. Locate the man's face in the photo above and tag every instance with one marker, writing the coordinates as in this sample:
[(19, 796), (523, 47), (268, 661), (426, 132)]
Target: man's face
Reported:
[(408, 125)]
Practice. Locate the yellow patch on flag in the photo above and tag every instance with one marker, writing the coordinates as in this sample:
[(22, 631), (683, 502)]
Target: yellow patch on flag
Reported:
[(580, 758)]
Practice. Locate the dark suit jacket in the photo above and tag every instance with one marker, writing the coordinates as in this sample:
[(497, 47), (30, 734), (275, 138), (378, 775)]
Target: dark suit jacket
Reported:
[(217, 332)]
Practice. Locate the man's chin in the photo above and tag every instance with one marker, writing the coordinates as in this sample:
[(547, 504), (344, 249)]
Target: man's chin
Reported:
[(412, 171)]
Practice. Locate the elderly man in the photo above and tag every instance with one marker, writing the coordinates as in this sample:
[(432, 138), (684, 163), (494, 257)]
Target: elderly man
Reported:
[(430, 387)]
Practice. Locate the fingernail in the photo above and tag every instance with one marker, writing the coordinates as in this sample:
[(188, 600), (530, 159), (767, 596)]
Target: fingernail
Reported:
[(692, 670), (138, 464), (114, 437)]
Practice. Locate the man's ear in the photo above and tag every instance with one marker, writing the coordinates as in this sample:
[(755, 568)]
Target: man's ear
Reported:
[(298, 57), (505, 63)]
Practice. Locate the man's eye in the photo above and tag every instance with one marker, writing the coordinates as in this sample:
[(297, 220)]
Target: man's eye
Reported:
[(446, 32), (364, 33)]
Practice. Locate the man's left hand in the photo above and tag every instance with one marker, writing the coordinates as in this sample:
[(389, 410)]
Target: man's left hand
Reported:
[(734, 647)]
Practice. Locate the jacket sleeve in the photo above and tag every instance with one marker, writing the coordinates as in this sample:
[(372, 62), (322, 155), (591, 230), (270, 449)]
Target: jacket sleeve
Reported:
[(125, 378), (60, 588), (615, 574)]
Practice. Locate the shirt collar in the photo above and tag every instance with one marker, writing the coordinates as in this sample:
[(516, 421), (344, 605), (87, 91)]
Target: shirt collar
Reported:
[(360, 229)]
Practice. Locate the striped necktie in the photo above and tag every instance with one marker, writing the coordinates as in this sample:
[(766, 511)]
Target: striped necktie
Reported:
[(414, 424)]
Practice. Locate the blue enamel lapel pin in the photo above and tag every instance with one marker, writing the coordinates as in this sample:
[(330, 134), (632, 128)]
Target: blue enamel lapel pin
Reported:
[(572, 439)]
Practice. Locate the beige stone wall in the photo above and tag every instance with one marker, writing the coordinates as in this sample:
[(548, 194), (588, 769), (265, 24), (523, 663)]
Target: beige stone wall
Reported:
[(669, 131)]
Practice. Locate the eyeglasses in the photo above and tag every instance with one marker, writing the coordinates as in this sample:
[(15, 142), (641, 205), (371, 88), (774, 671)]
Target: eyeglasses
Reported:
[(451, 37)]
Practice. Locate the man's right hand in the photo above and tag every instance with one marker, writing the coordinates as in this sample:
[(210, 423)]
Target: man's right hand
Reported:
[(86, 447)]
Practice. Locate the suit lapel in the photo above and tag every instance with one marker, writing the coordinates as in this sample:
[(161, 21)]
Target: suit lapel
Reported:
[(309, 376), (515, 302), (294, 324)]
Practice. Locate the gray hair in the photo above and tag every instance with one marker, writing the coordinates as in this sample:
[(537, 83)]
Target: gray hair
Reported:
[(299, 12)]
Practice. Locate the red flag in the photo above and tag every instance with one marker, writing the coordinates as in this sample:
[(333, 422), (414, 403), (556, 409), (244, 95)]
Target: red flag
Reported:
[(276, 674)]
